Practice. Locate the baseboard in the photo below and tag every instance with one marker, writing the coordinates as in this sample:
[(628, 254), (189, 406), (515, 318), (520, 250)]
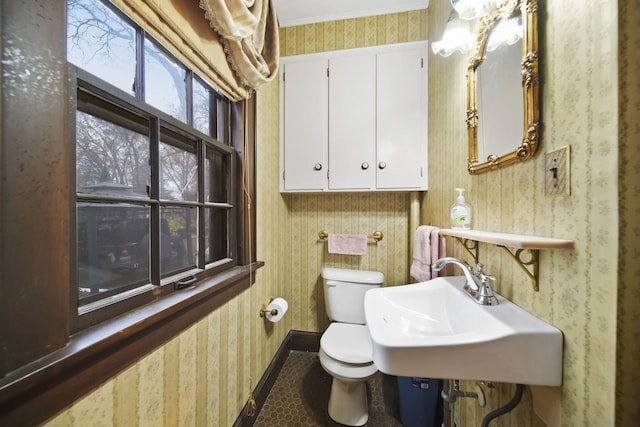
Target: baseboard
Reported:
[(295, 340)]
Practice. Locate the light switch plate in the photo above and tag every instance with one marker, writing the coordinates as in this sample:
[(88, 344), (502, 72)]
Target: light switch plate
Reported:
[(557, 173)]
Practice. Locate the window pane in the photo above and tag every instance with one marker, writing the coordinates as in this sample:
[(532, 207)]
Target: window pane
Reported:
[(178, 239), (216, 177), (110, 159), (101, 43), (164, 82), (223, 119), (112, 254), (178, 173), (216, 237), (201, 110)]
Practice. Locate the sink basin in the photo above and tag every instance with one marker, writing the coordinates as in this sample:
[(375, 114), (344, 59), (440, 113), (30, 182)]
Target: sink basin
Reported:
[(433, 329)]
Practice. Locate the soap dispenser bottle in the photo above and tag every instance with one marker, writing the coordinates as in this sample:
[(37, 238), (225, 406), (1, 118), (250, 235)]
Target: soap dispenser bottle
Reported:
[(460, 212)]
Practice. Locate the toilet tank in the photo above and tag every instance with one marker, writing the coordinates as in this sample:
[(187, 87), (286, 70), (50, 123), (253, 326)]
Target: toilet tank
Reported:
[(344, 292)]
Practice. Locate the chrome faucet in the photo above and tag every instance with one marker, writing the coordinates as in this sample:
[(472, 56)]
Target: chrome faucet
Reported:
[(477, 286), (472, 281)]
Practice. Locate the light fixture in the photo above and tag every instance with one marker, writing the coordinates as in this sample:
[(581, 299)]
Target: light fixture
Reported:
[(473, 9), (457, 37), (506, 32)]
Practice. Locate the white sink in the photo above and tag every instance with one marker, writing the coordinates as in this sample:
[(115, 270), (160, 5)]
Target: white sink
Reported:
[(434, 330)]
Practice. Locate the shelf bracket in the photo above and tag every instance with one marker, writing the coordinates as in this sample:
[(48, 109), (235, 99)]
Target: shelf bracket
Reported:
[(527, 256), (530, 266), (471, 246)]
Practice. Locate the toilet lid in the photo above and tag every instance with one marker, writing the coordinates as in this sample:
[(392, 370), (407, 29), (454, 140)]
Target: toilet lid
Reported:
[(347, 343)]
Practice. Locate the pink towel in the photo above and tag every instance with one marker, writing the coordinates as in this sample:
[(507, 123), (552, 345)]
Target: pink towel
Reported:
[(428, 247), (348, 244)]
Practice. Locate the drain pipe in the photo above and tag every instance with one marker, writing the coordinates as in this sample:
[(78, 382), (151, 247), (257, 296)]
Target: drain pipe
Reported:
[(506, 408), (447, 391), (451, 392)]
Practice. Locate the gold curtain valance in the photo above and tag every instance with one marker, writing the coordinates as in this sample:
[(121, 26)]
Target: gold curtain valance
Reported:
[(249, 30), (182, 28)]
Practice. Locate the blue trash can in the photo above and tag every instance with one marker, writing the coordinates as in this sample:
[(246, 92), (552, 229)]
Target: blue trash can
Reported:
[(419, 400)]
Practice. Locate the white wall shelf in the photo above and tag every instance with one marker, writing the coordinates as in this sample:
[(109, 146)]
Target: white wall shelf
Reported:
[(522, 243)]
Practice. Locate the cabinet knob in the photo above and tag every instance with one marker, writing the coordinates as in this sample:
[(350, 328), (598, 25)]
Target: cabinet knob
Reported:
[(364, 165), (317, 166), (382, 165)]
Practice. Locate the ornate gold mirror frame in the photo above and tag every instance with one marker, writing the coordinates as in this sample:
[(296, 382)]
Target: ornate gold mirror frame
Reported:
[(528, 9)]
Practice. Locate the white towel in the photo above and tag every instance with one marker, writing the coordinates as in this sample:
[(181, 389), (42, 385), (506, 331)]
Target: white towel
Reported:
[(428, 247), (438, 250)]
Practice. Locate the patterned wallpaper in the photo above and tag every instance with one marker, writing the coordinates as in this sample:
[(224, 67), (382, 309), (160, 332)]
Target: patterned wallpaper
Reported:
[(585, 292), (346, 213), (353, 33), (628, 335), (203, 376)]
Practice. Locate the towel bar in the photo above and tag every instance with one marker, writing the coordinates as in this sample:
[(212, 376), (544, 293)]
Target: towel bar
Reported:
[(377, 235)]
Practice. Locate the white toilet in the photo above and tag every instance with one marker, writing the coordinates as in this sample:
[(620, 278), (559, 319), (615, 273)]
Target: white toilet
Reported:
[(345, 347)]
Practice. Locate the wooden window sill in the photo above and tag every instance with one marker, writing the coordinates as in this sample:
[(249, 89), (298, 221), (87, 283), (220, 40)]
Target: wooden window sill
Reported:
[(37, 391)]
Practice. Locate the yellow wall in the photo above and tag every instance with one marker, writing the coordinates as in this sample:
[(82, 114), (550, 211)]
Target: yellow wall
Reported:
[(628, 334), (579, 289), (346, 213), (203, 376)]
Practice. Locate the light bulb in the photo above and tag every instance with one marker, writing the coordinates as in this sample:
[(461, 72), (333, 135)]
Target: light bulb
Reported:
[(473, 9)]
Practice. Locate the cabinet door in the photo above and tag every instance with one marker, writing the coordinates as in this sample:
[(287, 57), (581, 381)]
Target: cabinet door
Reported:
[(305, 115), (402, 120), (352, 126)]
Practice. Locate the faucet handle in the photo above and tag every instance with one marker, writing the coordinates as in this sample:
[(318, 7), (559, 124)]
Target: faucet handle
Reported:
[(479, 267), (484, 278), (485, 293)]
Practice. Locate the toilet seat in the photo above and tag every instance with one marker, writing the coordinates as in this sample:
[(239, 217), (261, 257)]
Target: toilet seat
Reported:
[(348, 343), (346, 372)]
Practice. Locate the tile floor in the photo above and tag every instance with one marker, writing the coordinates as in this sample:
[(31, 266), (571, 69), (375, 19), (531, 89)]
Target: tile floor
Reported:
[(300, 396)]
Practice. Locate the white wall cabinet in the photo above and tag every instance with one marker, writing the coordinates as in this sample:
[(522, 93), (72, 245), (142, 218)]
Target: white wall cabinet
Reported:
[(306, 120), (354, 120)]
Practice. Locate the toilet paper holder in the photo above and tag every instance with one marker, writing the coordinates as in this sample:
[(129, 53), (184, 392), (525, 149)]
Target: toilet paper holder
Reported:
[(263, 309)]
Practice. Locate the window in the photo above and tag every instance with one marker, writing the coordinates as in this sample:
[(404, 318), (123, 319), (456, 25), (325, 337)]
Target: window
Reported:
[(112, 161), (155, 198), (164, 82), (107, 213), (101, 42)]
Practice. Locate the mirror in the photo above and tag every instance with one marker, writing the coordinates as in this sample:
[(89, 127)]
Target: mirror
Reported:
[(503, 106)]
